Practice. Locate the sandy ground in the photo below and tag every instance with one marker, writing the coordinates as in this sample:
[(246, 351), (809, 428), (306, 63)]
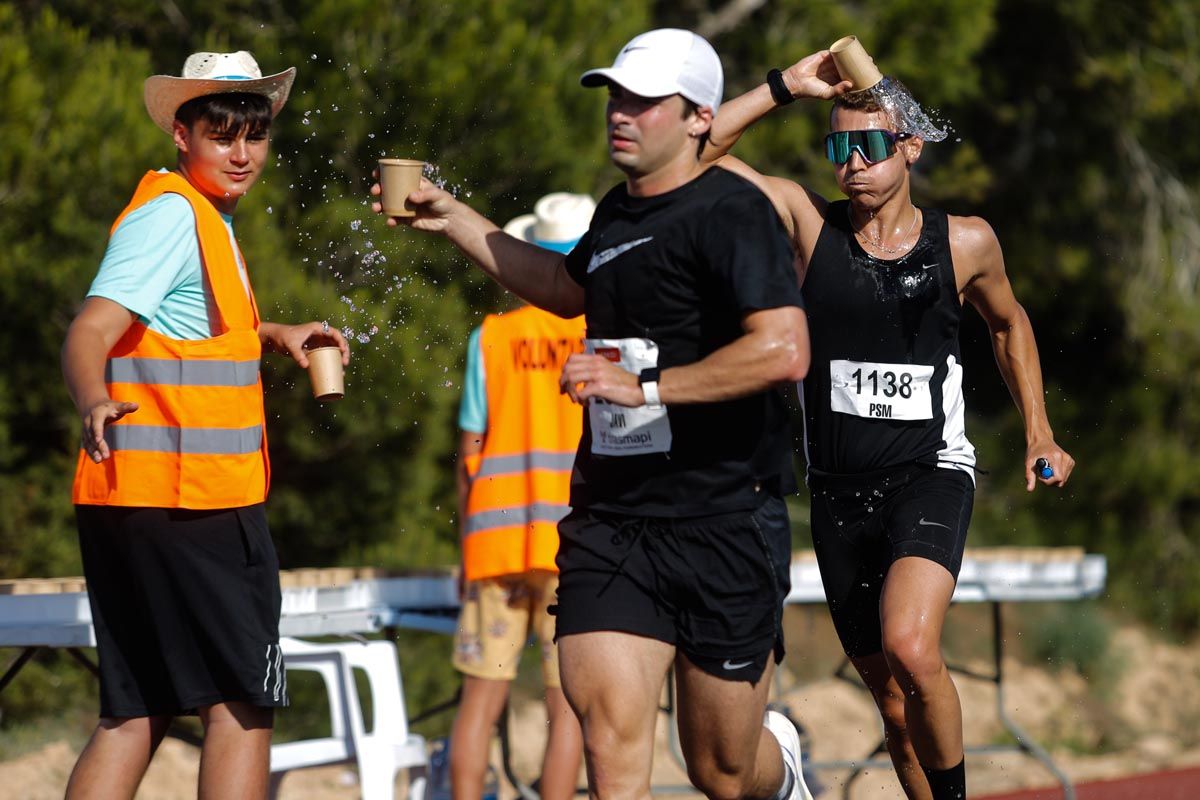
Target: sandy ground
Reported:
[(1150, 720)]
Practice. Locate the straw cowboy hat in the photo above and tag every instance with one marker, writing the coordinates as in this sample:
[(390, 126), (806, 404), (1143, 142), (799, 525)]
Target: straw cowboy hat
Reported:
[(213, 73), (557, 222)]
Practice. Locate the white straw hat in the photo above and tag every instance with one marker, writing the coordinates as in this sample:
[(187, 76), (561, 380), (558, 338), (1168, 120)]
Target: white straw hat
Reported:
[(213, 73), (558, 221), (663, 62)]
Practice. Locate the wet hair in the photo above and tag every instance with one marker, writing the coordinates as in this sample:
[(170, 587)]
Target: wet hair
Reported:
[(229, 113), (690, 108)]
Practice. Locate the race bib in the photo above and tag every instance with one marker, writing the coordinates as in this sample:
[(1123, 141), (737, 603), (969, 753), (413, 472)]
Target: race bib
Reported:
[(880, 391), (620, 430)]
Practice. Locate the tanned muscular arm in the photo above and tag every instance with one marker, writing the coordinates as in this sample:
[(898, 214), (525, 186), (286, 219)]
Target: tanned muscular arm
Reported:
[(983, 282), (802, 211), (534, 274), (772, 349)]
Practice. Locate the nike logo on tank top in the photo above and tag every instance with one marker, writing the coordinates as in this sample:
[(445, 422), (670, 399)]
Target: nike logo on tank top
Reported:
[(885, 384)]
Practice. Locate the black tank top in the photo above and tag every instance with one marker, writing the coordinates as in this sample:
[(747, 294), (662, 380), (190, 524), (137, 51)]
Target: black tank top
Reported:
[(885, 385)]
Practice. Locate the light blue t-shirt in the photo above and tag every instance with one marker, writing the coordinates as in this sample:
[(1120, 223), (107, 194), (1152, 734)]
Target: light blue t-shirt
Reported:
[(152, 267), (473, 412)]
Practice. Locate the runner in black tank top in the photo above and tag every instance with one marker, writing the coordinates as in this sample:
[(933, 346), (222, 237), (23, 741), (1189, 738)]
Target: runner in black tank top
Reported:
[(890, 467), (889, 462), (869, 312)]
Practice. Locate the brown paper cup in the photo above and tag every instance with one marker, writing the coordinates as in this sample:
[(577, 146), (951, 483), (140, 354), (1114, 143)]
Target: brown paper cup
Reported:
[(399, 177), (325, 372), (853, 63)]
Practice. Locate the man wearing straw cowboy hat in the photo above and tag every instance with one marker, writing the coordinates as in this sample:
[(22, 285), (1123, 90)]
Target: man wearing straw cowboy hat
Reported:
[(516, 448), (676, 552), (890, 466), (162, 363)]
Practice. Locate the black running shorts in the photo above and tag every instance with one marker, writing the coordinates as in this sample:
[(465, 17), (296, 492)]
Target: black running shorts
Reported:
[(713, 587), (185, 605), (863, 523)]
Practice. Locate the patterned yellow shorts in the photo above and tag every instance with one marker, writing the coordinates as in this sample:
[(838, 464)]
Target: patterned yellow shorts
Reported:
[(498, 616)]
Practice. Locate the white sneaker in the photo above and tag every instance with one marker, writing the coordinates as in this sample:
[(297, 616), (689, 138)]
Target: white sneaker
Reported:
[(789, 742)]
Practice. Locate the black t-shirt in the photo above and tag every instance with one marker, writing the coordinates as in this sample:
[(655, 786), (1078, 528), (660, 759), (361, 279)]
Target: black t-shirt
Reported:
[(682, 269)]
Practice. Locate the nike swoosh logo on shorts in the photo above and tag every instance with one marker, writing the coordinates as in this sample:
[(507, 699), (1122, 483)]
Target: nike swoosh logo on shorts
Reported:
[(605, 256), (923, 521), (731, 666)]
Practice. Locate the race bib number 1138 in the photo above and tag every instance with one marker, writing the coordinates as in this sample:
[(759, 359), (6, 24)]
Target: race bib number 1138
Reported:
[(880, 391)]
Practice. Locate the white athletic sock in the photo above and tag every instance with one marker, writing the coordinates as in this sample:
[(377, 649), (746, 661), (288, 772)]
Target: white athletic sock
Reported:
[(789, 780)]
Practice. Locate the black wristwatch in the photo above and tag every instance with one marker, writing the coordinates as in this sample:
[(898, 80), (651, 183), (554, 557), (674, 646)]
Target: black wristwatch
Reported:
[(649, 374), (778, 88)]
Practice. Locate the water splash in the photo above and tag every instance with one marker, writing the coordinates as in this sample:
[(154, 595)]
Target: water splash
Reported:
[(906, 113)]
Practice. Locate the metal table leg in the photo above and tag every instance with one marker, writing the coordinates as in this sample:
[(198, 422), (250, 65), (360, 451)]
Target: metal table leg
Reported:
[(1024, 741), (12, 671)]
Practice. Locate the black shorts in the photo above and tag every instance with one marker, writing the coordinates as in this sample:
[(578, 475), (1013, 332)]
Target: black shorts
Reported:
[(863, 523), (713, 587), (185, 605)]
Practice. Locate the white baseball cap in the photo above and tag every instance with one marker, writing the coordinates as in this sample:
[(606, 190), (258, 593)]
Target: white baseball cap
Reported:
[(558, 221), (663, 62)]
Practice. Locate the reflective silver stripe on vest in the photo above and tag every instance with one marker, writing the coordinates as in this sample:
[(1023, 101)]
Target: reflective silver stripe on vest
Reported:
[(517, 515), (181, 372), (524, 462), (197, 441)]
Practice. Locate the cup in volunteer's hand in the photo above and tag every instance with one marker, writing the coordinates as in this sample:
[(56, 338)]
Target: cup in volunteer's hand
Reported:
[(326, 373), (398, 178)]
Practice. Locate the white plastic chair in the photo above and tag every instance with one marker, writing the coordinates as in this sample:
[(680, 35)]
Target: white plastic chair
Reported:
[(381, 752)]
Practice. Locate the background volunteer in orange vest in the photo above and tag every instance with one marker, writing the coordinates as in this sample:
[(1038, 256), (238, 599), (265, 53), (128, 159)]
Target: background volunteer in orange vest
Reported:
[(162, 363), (516, 448)]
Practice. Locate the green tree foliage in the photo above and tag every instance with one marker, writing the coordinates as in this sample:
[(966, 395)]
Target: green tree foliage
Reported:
[(1071, 135)]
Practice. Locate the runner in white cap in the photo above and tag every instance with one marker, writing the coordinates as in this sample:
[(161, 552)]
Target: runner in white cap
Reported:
[(677, 549)]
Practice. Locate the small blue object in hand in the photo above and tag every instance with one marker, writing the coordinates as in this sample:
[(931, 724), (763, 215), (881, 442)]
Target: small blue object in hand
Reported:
[(1042, 467)]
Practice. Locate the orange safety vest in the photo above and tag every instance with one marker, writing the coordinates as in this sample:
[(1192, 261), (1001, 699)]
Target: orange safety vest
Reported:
[(198, 439), (520, 482)]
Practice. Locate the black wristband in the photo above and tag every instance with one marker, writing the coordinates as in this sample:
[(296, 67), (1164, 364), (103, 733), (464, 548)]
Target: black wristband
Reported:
[(778, 88), (649, 374)]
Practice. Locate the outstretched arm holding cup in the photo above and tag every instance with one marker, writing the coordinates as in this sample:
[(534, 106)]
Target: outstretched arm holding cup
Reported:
[(534, 274)]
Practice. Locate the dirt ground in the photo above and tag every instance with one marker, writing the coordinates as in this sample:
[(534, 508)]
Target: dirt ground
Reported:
[(1148, 720)]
